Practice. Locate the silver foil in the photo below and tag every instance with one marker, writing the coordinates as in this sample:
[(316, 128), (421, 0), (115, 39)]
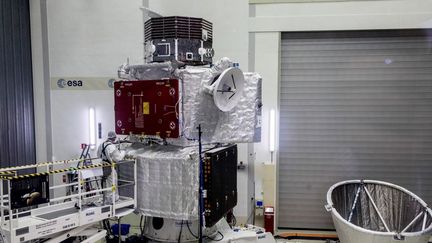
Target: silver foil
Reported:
[(167, 181), (168, 175), (149, 71), (240, 125), (397, 208)]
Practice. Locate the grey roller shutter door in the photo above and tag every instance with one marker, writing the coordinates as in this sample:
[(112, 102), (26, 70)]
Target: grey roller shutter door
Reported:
[(353, 105)]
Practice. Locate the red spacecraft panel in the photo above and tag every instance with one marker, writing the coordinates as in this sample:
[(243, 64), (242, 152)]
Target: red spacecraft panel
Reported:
[(149, 107)]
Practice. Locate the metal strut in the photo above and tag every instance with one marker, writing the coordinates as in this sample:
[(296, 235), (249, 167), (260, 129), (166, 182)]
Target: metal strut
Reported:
[(376, 209), (355, 203), (412, 222), (424, 219)]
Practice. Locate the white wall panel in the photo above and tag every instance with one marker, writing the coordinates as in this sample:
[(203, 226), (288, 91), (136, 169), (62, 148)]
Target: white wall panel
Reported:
[(88, 39)]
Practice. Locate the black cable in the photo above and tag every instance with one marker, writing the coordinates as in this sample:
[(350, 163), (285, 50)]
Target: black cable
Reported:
[(181, 229), (190, 231), (214, 239), (141, 227)]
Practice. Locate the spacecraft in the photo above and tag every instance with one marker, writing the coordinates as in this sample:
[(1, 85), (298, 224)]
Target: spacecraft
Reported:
[(178, 89)]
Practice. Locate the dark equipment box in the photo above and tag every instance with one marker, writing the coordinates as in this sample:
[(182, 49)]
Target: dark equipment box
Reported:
[(220, 182), (183, 39)]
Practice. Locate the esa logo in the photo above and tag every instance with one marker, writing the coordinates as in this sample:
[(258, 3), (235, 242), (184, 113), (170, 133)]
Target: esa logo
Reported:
[(61, 83)]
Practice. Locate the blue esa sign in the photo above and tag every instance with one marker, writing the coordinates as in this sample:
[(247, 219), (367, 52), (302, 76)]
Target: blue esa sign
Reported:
[(61, 83)]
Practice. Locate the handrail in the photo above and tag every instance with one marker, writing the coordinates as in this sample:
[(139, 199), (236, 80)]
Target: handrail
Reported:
[(105, 164), (21, 167)]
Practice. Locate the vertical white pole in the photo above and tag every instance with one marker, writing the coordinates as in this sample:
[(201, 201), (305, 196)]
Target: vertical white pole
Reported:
[(376, 209), (79, 190), (10, 207)]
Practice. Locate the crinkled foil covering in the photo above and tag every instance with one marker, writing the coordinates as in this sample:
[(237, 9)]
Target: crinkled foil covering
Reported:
[(150, 71), (168, 175), (167, 181), (397, 207), (198, 107), (240, 125)]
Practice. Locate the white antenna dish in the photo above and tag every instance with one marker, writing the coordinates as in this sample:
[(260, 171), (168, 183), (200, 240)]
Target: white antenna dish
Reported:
[(228, 89)]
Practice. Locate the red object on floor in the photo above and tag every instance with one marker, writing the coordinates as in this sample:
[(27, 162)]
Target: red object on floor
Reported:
[(269, 219), (149, 107)]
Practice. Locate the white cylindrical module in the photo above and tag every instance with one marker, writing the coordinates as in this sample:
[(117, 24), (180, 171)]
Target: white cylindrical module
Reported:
[(171, 230)]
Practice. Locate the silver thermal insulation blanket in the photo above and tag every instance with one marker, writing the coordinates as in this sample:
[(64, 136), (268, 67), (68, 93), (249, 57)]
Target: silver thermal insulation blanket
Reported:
[(167, 181), (149, 71), (168, 177), (198, 107), (240, 125), (397, 208)]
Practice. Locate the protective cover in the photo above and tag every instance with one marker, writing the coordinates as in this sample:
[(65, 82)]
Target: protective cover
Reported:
[(243, 124), (378, 212), (235, 126), (240, 125), (167, 181), (149, 71)]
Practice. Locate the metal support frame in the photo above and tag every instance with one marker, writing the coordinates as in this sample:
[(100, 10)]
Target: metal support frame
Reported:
[(362, 186), (76, 222), (424, 220), (9, 206), (412, 222), (376, 209), (355, 203), (413, 228)]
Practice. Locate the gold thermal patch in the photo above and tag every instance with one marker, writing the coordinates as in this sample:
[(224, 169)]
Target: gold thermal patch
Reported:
[(146, 108)]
